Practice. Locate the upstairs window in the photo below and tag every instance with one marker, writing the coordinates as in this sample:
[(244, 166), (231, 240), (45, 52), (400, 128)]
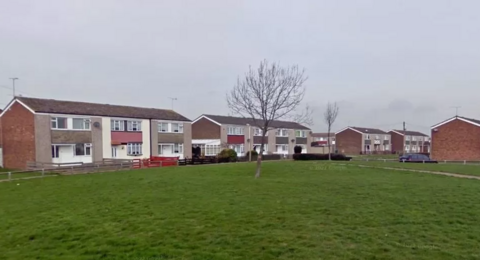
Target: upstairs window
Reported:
[(367, 137), (177, 127), (59, 123), (257, 132), (118, 125), (300, 133), (81, 124), (134, 126), (163, 127), (282, 132), (235, 130)]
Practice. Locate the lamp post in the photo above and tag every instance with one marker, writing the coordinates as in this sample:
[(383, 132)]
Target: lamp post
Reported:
[(13, 82), (249, 143)]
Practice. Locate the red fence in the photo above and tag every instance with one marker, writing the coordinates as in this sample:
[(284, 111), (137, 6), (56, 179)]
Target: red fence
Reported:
[(155, 161)]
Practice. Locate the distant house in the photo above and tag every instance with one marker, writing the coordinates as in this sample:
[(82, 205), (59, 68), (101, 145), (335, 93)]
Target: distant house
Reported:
[(211, 133), (356, 140), (320, 142), (409, 142), (457, 138)]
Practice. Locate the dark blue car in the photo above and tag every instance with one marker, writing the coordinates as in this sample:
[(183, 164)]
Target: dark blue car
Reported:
[(416, 158)]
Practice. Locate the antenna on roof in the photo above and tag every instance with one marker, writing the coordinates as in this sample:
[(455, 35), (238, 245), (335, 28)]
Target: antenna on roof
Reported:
[(456, 110), (173, 99)]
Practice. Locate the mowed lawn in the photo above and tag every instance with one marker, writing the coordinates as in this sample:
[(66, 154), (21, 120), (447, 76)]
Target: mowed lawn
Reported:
[(466, 169), (296, 210)]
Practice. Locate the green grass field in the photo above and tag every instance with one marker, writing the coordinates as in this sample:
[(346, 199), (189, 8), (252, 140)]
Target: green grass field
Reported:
[(466, 169), (296, 210)]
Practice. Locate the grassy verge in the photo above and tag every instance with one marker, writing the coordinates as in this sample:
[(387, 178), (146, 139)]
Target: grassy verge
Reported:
[(467, 169), (296, 210)]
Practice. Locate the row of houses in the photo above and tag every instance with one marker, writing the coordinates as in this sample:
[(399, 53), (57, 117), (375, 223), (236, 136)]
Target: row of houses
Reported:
[(455, 139), (55, 131)]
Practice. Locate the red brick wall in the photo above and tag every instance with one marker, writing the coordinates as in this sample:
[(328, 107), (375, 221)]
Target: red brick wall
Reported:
[(205, 129), (18, 133), (456, 140), (349, 142), (397, 142)]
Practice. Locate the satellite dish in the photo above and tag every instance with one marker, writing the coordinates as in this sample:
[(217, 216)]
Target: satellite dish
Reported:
[(96, 124)]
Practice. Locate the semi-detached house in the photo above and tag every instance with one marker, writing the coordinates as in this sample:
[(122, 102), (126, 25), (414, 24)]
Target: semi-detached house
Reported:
[(54, 131), (214, 132)]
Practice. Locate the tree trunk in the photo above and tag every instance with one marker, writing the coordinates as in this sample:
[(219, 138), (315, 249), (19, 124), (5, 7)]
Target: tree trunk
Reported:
[(259, 157), (329, 146)]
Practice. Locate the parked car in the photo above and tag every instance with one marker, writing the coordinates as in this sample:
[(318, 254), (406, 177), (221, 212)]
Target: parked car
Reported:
[(416, 158)]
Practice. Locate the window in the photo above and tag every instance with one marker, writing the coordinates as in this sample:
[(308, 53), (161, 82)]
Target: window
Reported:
[(387, 147), (256, 147), (81, 124), (235, 130), (237, 148), (55, 149), (414, 138), (163, 127), (367, 137), (59, 123), (83, 149), (134, 149), (282, 132), (258, 132), (178, 148), (300, 133), (385, 137), (134, 126), (118, 125), (407, 137), (377, 137), (426, 139), (282, 148), (177, 127), (407, 147)]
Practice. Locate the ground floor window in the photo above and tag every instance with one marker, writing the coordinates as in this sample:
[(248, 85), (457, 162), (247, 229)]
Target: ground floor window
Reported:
[(387, 147), (256, 147), (83, 149), (134, 149), (212, 150), (238, 148), (281, 148), (169, 149), (304, 148)]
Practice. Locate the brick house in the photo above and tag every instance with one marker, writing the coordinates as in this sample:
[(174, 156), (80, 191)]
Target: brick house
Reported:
[(213, 132), (409, 142), (361, 140), (320, 143), (54, 131), (456, 139)]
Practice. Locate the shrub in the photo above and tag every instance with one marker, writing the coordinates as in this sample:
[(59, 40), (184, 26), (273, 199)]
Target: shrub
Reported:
[(313, 156), (227, 155), (297, 149), (254, 153)]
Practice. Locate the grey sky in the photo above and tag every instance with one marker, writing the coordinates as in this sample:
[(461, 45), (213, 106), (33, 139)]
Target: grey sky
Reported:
[(383, 61)]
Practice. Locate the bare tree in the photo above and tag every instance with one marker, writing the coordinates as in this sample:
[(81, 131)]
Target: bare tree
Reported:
[(269, 93), (330, 116)]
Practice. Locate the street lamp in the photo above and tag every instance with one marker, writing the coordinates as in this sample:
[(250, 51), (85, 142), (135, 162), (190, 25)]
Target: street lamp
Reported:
[(13, 81)]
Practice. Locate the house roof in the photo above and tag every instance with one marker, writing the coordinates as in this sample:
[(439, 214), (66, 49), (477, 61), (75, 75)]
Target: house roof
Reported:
[(230, 120), (52, 106), (365, 130), (322, 134), (464, 119), (414, 133)]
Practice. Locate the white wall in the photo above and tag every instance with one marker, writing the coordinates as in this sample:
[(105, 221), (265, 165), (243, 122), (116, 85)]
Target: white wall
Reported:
[(107, 137), (145, 138)]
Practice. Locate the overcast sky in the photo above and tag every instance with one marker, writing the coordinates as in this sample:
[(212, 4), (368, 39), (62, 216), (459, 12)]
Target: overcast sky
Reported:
[(383, 61)]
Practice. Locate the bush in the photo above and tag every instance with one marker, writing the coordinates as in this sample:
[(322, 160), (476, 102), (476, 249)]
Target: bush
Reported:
[(297, 149), (254, 153), (314, 156), (227, 155)]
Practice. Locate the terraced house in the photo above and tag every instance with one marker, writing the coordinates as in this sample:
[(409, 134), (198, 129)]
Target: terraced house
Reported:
[(54, 131), (356, 140), (213, 132), (409, 142)]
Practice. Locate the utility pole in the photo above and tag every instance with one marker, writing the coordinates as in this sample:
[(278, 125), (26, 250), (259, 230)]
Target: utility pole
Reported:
[(13, 82), (173, 99)]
